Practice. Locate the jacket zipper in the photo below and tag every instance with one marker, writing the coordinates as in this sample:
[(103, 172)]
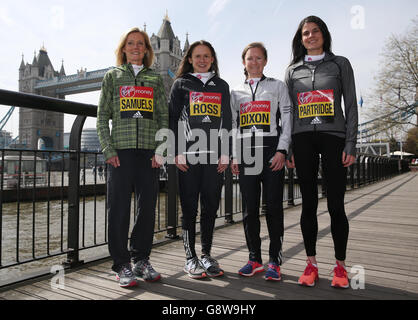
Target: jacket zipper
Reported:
[(137, 124)]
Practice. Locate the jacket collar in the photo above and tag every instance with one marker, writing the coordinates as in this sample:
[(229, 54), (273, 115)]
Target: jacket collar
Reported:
[(193, 78), (262, 79), (128, 67), (328, 56)]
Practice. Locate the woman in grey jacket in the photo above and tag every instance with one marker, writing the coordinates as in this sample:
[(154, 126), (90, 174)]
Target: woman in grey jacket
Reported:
[(261, 117), (317, 80)]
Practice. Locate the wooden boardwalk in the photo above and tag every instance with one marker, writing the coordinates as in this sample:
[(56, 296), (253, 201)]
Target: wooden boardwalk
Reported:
[(383, 240)]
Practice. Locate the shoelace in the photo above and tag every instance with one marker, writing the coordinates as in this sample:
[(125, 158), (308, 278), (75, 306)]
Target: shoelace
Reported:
[(195, 263), (210, 260), (339, 271), (127, 271), (273, 266), (147, 265), (252, 263), (309, 269)]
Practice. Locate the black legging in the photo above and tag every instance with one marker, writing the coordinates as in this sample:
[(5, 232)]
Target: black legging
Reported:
[(307, 147), (250, 186), (203, 180)]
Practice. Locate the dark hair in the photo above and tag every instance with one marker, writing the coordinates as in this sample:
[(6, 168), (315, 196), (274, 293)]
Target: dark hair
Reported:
[(298, 50), (251, 46), (186, 67)]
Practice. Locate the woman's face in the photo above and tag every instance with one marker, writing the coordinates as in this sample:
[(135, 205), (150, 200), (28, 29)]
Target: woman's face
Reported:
[(135, 48), (201, 59), (312, 38), (254, 62)]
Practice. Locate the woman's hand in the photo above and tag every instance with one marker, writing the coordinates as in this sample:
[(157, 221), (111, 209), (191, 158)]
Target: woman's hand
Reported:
[(348, 160), (157, 161), (181, 163), (114, 161), (223, 163), (234, 167), (291, 164), (278, 162)]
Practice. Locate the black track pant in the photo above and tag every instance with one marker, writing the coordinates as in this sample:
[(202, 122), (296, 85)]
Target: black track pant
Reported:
[(203, 180), (135, 174), (307, 147), (250, 186)]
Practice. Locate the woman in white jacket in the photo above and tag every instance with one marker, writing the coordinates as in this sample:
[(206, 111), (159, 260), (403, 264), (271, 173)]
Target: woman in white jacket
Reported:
[(261, 117)]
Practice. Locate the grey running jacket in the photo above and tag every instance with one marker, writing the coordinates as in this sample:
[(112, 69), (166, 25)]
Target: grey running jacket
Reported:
[(316, 93)]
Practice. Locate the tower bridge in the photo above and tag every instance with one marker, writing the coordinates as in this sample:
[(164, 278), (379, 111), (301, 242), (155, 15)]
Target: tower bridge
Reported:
[(40, 77)]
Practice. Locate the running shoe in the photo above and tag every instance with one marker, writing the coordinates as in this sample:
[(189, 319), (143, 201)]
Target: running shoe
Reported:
[(273, 272), (194, 268), (211, 266), (251, 268), (340, 279), (310, 275), (143, 269), (126, 277)]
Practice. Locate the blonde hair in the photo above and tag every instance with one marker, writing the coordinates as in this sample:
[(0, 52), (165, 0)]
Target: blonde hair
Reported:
[(120, 55)]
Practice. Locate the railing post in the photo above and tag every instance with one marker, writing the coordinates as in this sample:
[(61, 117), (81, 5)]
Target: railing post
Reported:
[(228, 196), (291, 187), (172, 202), (74, 193)]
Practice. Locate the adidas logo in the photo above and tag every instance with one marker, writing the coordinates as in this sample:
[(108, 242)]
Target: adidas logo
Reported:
[(206, 120), (137, 115), (316, 121), (254, 129), (212, 84)]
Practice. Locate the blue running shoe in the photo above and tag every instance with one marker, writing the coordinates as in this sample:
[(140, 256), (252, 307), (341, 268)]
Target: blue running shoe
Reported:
[(273, 272), (251, 268)]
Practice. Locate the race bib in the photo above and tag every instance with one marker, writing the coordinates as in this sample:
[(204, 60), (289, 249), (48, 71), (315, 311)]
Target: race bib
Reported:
[(206, 104), (255, 115), (316, 107), (136, 102)]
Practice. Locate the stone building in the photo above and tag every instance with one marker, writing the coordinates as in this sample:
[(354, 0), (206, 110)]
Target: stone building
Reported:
[(37, 126)]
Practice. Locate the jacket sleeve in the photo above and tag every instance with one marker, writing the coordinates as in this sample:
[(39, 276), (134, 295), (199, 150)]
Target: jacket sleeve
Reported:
[(175, 107), (104, 114), (350, 105), (235, 128), (286, 111), (288, 84), (162, 106), (226, 119)]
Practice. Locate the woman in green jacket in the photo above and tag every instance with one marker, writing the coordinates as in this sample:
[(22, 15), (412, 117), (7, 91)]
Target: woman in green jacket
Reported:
[(133, 98)]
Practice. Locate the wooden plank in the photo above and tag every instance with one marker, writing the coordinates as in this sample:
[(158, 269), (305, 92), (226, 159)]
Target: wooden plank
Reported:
[(383, 239)]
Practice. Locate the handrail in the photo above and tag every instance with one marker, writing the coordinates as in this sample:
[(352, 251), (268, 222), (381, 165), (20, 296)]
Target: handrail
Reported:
[(33, 101)]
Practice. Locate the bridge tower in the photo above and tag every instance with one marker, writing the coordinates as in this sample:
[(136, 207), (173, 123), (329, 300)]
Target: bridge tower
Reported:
[(36, 126), (168, 53)]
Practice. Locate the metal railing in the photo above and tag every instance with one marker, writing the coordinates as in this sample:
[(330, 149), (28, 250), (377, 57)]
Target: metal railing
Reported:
[(54, 203)]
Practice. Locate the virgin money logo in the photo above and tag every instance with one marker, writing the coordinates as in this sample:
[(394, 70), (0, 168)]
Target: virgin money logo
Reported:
[(305, 97), (197, 96), (246, 107), (127, 92)]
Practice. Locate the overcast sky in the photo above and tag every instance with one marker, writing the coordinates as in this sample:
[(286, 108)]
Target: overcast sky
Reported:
[(85, 33)]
